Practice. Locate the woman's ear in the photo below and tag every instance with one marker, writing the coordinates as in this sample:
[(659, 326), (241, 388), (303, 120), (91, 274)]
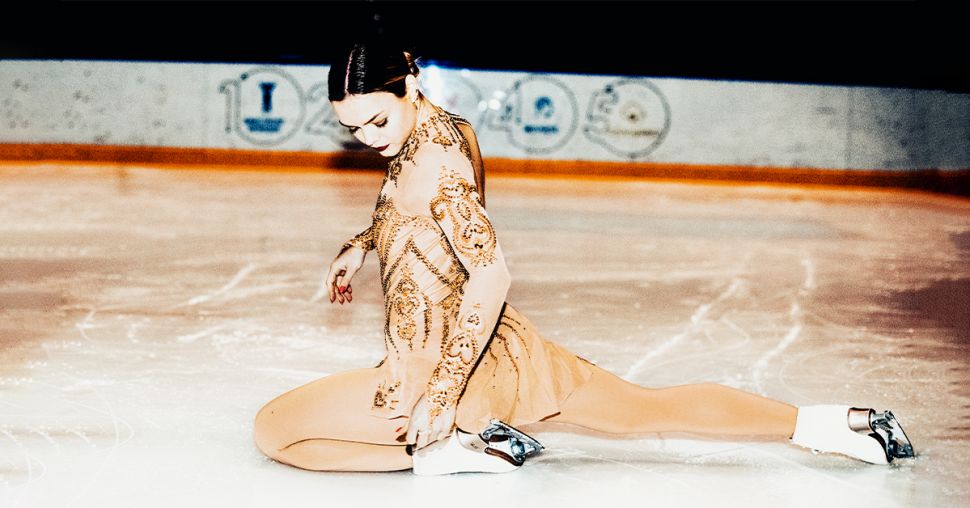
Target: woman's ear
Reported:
[(411, 86)]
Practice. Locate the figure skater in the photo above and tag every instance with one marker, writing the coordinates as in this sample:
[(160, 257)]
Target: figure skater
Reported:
[(464, 368)]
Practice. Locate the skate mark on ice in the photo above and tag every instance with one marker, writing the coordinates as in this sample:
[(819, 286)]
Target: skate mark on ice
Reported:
[(761, 366), (711, 352), (115, 420), (86, 324), (133, 329), (29, 460), (695, 320), (240, 275), (805, 359), (795, 314), (192, 337), (257, 290), (117, 423)]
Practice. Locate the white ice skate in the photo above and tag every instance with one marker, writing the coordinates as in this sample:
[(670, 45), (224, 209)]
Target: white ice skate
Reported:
[(499, 448), (876, 438)]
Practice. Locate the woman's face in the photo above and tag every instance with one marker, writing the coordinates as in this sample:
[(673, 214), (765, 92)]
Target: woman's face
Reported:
[(380, 120)]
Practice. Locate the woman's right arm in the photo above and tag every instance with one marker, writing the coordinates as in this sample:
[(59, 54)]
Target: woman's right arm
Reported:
[(346, 264)]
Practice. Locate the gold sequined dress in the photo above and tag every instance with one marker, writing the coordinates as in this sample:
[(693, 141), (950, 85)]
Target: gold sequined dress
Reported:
[(448, 330)]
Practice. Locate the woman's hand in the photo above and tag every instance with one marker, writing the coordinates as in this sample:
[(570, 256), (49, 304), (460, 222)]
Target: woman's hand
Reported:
[(422, 432), (342, 269)]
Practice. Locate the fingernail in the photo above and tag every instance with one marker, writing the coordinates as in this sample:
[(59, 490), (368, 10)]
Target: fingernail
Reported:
[(342, 289), (399, 428)]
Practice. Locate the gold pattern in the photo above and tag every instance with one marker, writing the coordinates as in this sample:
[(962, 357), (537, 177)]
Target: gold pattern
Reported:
[(364, 240), (382, 398), (406, 300), (439, 127), (459, 355), (409, 276), (473, 233)]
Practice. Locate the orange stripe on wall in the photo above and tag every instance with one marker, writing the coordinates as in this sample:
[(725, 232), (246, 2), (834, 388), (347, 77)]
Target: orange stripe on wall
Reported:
[(956, 182)]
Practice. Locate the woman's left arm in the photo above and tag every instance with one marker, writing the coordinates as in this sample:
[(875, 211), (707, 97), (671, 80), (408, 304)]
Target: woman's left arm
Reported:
[(454, 204)]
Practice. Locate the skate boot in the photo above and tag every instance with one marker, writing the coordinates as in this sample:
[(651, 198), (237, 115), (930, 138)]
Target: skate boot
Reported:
[(499, 448), (876, 438)]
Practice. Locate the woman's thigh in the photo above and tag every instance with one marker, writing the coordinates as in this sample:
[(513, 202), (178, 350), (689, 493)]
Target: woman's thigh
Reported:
[(334, 407)]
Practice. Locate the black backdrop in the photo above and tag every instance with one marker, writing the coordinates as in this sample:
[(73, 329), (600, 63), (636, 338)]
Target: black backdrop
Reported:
[(893, 44)]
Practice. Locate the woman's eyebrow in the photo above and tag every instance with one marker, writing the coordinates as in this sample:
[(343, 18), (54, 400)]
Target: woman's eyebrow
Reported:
[(365, 123)]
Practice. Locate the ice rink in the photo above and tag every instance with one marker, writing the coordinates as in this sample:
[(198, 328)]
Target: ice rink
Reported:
[(147, 314)]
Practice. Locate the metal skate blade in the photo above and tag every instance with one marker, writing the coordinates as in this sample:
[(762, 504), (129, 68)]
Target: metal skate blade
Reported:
[(511, 440), (896, 441)]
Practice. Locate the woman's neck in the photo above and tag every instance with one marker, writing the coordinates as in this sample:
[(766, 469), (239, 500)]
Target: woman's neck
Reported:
[(425, 110)]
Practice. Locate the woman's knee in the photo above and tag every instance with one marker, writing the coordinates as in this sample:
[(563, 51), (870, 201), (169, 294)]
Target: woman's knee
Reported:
[(268, 430)]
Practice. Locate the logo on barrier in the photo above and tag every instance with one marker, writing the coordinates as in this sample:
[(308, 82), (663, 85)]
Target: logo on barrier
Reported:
[(325, 121), (265, 106), (539, 113), (629, 117)]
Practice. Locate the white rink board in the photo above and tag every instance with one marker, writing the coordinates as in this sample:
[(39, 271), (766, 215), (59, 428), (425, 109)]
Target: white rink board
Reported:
[(516, 114)]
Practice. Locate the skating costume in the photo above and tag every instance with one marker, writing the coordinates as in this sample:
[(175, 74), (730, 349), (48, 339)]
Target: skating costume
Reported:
[(448, 330)]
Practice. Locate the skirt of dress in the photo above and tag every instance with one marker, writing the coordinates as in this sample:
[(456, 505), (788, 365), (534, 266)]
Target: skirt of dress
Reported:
[(521, 377)]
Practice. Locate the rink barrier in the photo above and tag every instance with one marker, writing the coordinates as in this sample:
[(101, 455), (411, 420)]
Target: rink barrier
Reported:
[(954, 182)]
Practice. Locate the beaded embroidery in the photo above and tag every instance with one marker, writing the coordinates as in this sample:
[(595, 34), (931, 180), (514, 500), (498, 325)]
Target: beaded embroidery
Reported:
[(459, 355), (439, 128), (364, 240), (393, 235), (382, 398), (473, 233)]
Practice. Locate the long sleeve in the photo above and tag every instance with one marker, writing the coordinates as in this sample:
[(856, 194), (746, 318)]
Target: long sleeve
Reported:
[(364, 240), (445, 181)]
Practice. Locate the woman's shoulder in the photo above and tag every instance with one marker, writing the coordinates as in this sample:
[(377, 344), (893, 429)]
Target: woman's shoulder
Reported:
[(442, 139), (440, 154), (438, 169), (458, 118), (442, 127)]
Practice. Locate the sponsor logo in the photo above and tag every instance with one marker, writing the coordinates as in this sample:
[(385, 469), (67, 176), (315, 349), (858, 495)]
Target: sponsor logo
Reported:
[(629, 117), (539, 114), (265, 106)]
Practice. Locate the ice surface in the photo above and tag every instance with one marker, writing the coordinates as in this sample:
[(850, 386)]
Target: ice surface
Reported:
[(146, 315)]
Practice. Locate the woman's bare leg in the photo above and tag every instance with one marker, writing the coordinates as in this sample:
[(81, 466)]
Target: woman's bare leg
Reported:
[(326, 426), (608, 403)]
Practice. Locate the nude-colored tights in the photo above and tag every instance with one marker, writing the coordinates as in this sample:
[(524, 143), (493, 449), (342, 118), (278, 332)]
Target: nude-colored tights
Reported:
[(325, 425)]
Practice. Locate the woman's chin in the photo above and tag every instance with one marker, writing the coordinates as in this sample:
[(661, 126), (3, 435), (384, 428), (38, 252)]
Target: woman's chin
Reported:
[(390, 151)]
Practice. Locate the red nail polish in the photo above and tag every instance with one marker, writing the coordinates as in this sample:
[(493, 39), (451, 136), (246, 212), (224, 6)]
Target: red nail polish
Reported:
[(342, 288), (399, 428)]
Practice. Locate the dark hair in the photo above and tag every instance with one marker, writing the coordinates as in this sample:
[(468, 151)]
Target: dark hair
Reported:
[(370, 67)]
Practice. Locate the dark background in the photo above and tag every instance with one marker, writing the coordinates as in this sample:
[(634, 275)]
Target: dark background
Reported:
[(892, 44)]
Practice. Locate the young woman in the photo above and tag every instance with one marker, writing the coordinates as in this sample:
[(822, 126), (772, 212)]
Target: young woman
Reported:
[(463, 366)]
